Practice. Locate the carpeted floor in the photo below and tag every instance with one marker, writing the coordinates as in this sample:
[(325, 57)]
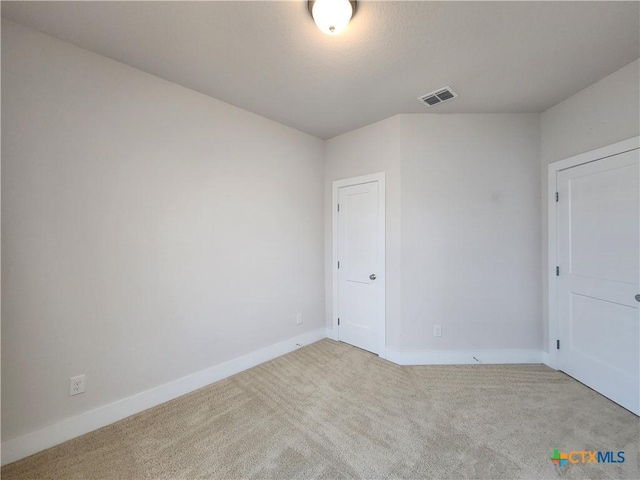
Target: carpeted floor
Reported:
[(333, 411)]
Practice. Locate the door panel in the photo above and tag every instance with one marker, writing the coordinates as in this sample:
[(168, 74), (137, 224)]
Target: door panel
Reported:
[(359, 255), (599, 257), (604, 224), (613, 343)]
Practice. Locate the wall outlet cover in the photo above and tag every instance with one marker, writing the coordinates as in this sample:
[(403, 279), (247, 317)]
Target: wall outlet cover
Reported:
[(437, 330), (76, 385)]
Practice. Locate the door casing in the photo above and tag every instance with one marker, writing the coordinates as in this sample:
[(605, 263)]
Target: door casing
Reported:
[(337, 184), (553, 169)]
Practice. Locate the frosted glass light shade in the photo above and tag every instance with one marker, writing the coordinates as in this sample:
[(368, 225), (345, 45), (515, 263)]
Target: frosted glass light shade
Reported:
[(332, 16)]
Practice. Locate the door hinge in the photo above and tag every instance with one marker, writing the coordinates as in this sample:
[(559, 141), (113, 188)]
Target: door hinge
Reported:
[(338, 207), (338, 265), (338, 322), (557, 197), (557, 271), (557, 344)]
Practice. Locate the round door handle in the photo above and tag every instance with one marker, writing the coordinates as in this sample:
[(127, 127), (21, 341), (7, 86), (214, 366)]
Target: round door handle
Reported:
[(638, 297), (373, 277)]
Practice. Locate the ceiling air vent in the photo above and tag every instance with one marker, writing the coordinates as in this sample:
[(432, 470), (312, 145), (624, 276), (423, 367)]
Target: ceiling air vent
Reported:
[(439, 96)]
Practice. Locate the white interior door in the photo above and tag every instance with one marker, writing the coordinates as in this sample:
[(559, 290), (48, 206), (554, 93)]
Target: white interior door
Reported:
[(599, 274), (361, 266)]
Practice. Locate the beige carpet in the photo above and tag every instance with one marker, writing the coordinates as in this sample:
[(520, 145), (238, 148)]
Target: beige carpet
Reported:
[(333, 411)]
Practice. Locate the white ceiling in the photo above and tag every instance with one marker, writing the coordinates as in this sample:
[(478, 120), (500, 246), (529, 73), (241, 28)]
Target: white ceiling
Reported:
[(269, 58)]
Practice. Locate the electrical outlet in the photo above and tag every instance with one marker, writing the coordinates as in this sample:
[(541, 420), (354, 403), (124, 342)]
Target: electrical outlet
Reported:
[(437, 330), (76, 385), (299, 319)]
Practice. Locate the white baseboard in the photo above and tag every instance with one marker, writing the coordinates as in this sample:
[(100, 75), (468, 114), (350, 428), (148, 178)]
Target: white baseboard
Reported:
[(47, 437), (548, 360), (332, 334), (463, 357)]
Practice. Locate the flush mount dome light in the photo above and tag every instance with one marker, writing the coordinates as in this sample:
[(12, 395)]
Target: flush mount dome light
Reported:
[(332, 16)]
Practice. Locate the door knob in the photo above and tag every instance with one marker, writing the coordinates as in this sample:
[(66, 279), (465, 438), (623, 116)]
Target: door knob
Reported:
[(638, 297), (373, 277)]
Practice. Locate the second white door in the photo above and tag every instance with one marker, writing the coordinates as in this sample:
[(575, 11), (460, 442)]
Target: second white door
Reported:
[(361, 266), (598, 253)]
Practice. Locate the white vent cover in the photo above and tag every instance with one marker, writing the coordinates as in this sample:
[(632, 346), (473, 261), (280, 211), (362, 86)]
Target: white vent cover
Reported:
[(437, 97)]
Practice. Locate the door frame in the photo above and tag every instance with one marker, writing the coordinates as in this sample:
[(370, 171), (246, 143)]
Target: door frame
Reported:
[(552, 183), (382, 277)]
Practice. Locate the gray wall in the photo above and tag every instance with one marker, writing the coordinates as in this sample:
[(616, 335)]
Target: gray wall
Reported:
[(470, 233), (463, 236), (149, 231), (371, 149), (604, 113)]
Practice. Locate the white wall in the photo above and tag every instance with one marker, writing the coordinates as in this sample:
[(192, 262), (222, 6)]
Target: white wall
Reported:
[(371, 149), (470, 232), (604, 113), (149, 231), (463, 237)]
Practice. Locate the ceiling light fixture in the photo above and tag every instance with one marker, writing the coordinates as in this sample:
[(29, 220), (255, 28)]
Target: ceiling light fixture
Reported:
[(332, 16)]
